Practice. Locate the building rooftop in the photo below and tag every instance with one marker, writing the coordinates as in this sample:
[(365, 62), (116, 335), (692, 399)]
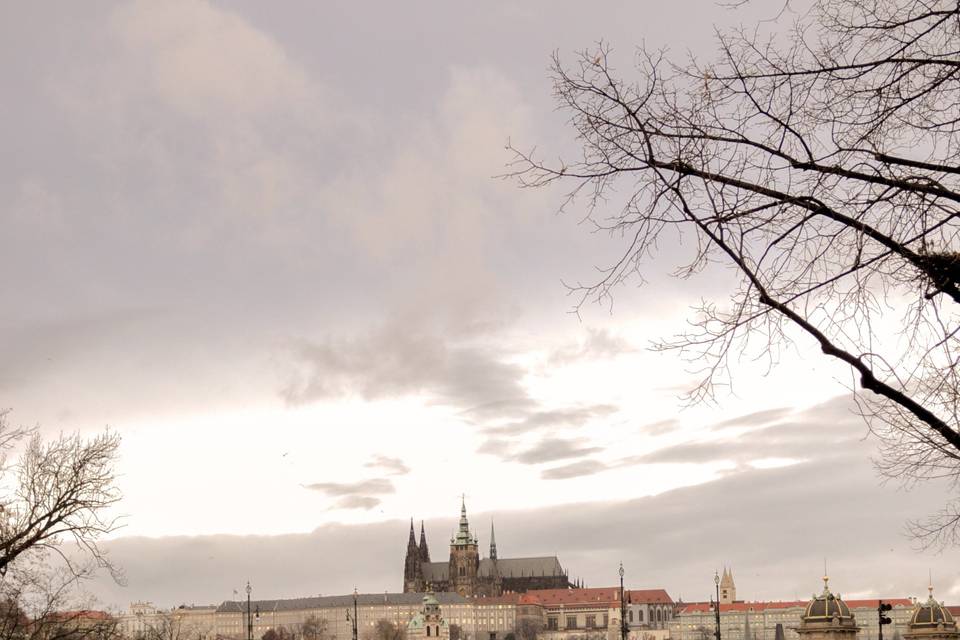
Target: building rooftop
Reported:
[(704, 607), (592, 596), (331, 602)]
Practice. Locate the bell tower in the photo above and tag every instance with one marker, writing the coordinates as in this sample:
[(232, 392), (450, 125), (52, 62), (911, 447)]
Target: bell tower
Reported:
[(464, 557)]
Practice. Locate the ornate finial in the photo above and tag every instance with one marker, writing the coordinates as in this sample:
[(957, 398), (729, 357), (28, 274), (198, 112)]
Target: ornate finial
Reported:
[(930, 583), (826, 577)]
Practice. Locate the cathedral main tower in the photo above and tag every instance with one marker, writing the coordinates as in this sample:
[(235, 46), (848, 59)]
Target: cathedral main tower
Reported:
[(464, 557)]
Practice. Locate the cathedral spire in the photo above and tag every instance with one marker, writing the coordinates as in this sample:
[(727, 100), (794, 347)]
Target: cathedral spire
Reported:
[(424, 550), (463, 532), (493, 542)]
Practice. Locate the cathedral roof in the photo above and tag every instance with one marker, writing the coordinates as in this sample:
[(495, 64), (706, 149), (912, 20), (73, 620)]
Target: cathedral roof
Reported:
[(507, 568)]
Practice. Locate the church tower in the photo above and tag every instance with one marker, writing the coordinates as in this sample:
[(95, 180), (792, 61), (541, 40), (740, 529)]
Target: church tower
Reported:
[(464, 558), (412, 568), (728, 590)]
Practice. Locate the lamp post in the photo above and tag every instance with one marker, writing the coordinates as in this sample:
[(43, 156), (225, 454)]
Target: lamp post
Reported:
[(716, 582), (353, 618), (623, 615), (249, 617)]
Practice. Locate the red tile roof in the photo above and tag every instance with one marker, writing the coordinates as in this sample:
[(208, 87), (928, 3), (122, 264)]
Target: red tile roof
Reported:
[(604, 596), (506, 598), (649, 596)]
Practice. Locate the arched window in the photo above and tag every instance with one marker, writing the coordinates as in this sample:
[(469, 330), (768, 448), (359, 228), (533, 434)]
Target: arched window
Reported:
[(428, 631), (436, 631), (659, 615), (640, 615)]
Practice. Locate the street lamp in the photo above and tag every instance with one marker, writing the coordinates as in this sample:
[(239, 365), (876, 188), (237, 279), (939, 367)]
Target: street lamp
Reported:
[(354, 617), (716, 582), (623, 616), (249, 618)]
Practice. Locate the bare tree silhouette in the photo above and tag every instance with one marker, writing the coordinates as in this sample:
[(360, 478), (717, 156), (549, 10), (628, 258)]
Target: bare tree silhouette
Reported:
[(823, 171)]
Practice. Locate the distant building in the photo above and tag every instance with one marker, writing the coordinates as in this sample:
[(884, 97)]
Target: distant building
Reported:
[(477, 618), (594, 614), (745, 620), (467, 574)]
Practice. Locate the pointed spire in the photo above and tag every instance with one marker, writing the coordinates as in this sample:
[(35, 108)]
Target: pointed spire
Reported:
[(463, 536), (493, 542), (424, 550), (413, 536)]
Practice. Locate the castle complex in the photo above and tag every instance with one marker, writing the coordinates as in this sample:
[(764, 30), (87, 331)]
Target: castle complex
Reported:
[(468, 575)]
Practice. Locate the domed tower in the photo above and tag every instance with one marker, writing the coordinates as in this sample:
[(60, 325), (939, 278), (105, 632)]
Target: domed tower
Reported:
[(429, 623), (464, 558), (931, 621), (827, 617)]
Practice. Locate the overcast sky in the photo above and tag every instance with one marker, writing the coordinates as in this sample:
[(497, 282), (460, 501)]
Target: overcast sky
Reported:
[(265, 243)]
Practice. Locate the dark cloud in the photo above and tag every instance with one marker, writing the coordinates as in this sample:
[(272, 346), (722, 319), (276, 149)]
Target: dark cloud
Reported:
[(376, 486), (356, 502), (393, 466), (599, 343), (553, 419), (773, 526), (573, 470)]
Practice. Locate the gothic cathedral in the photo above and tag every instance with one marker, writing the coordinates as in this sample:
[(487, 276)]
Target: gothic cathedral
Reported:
[(469, 575)]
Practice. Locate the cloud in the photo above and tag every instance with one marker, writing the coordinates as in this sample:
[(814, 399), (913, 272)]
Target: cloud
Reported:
[(756, 419), (393, 466), (375, 486), (553, 419), (573, 470), (598, 344), (547, 450), (551, 449), (356, 502), (777, 433), (398, 360), (660, 427)]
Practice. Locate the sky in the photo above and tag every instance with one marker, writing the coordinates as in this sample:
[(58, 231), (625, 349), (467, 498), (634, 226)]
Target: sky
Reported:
[(268, 245)]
